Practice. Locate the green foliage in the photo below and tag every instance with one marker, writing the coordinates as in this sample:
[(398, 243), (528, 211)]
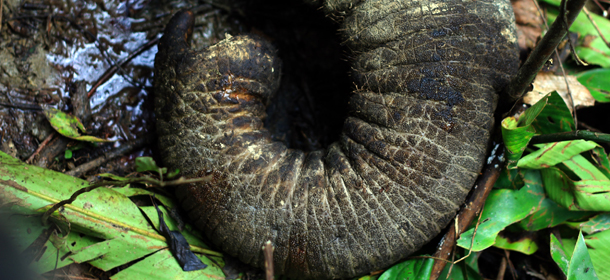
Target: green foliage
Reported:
[(145, 164), (597, 82), (591, 47), (69, 126), (575, 265), (562, 184), (102, 227), (419, 269)]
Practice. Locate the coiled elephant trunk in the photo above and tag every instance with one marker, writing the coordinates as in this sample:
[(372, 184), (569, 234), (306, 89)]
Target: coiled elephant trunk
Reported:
[(427, 75)]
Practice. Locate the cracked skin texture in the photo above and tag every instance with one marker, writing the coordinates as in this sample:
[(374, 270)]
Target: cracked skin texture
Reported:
[(427, 76)]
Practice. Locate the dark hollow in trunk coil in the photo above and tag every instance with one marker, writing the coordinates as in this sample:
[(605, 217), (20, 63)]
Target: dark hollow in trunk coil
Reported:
[(427, 75)]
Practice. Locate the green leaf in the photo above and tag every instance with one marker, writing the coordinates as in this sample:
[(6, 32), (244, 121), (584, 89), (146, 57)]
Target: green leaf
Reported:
[(509, 179), (597, 82), (69, 126), (591, 48), (68, 154), (113, 177), (525, 244), (553, 153), (144, 164), (548, 213), (410, 269), (162, 265), (555, 117), (517, 134), (598, 157), (173, 174), (596, 224), (192, 236), (502, 208), (558, 253), (130, 191), (114, 230), (581, 267), (590, 193), (599, 251)]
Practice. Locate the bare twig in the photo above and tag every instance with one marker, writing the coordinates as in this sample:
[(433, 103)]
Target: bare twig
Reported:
[(601, 35), (123, 149), (41, 146), (1, 12), (545, 48), (474, 204), (510, 264), (502, 269), (115, 68), (560, 65), (268, 252)]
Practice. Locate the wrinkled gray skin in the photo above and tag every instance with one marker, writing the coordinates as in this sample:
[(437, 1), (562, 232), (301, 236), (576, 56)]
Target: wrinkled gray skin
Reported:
[(427, 75)]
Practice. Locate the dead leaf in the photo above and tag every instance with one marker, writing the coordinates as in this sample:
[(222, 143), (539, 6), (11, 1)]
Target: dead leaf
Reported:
[(548, 82)]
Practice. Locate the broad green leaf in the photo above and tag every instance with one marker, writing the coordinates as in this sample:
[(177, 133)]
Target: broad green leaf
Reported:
[(68, 125), (24, 230), (599, 157), (591, 48), (559, 255), (517, 134), (411, 269), (515, 139), (592, 192), (581, 267), (162, 265), (596, 224), (116, 231), (129, 192), (192, 236), (597, 82), (144, 164), (524, 244), (509, 179), (548, 213), (502, 208), (553, 153), (555, 117), (599, 250)]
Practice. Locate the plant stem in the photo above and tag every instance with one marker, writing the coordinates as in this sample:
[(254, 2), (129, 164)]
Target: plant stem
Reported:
[(545, 48)]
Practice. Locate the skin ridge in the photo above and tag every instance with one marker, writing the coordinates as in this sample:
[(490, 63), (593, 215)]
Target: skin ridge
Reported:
[(426, 74)]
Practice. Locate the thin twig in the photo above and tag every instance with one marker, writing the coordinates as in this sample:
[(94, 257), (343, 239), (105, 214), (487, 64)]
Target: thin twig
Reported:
[(110, 72), (268, 252), (41, 146), (560, 66), (545, 48), (123, 149), (474, 204), (601, 35), (510, 264), (1, 12), (502, 269)]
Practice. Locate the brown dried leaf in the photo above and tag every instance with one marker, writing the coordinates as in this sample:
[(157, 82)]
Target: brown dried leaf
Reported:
[(548, 82)]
